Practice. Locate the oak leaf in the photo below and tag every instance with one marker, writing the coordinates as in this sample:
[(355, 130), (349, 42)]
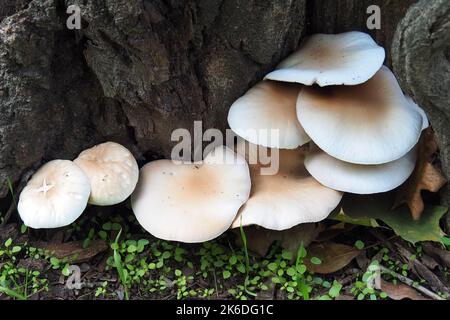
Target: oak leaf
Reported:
[(424, 177)]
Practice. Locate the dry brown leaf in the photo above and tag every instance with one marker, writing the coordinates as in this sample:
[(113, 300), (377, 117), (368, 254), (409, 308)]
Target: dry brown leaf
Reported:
[(8, 231), (400, 291), (429, 262), (443, 255), (259, 239), (343, 297), (332, 232), (424, 177), (421, 271), (333, 257), (74, 250)]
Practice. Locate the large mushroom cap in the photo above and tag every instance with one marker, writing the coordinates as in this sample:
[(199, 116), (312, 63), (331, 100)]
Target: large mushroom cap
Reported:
[(56, 195), (371, 123), (288, 198), (425, 122), (191, 203), (268, 106), (357, 178), (332, 59), (112, 170)]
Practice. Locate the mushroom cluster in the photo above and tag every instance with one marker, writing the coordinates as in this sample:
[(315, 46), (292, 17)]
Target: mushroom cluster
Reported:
[(359, 130), (60, 190), (342, 124)]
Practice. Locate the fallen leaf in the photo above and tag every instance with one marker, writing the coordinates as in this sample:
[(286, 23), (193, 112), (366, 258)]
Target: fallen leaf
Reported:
[(438, 253), (400, 291), (429, 262), (8, 231), (421, 271), (361, 221), (379, 206), (74, 251), (32, 264), (57, 236), (424, 177), (344, 297), (335, 230), (259, 240), (362, 261), (332, 257)]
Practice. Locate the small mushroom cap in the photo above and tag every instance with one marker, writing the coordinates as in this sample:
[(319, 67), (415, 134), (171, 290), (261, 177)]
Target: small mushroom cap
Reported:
[(56, 195), (268, 106), (288, 198), (371, 123), (358, 178), (332, 59), (189, 202), (112, 170)]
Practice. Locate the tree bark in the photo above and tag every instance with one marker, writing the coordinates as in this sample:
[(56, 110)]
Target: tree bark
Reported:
[(420, 54), (139, 69)]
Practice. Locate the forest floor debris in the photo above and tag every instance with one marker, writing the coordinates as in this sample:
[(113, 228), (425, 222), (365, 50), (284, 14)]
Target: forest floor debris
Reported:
[(91, 260)]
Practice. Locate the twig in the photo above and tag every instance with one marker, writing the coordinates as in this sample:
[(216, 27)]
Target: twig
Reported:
[(410, 283), (383, 239), (348, 279), (8, 214), (215, 284), (92, 292), (421, 270)]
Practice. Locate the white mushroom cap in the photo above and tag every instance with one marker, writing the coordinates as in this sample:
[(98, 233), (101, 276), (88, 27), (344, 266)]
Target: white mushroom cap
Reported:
[(189, 202), (288, 198), (425, 123), (332, 59), (268, 106), (371, 123), (56, 195), (112, 170), (358, 178)]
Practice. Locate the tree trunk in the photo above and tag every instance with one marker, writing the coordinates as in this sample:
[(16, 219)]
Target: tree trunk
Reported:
[(137, 70)]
